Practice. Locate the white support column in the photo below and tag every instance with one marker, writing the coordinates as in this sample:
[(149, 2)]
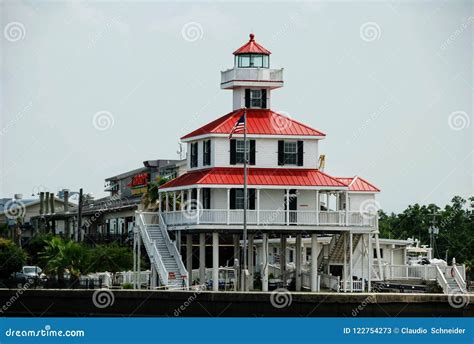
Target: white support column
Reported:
[(236, 242), (379, 260), (362, 248), (174, 200), (202, 258), (298, 262), (318, 208), (258, 206), (369, 262), (287, 207), (314, 263), (338, 201), (167, 205), (139, 258), (350, 262), (181, 203), (215, 261), (178, 241), (250, 262), (282, 254), (327, 199), (228, 206), (346, 194), (190, 195), (344, 275), (189, 257), (198, 205), (265, 262)]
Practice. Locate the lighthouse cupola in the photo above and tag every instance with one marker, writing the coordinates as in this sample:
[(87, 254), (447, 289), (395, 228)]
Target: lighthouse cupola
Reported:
[(251, 78)]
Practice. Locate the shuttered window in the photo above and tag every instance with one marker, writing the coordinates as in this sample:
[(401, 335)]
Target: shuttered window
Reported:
[(206, 153), (237, 199), (290, 153), (194, 154), (237, 151)]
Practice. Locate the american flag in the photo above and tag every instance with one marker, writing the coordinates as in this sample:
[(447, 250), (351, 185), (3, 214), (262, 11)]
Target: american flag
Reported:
[(239, 127)]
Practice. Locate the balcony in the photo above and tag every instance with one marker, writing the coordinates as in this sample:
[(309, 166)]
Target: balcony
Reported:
[(262, 77), (270, 218)]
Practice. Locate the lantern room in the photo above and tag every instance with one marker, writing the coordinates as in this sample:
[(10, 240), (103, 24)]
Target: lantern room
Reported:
[(252, 55)]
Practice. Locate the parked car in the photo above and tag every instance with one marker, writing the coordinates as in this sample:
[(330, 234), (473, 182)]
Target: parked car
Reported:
[(29, 272)]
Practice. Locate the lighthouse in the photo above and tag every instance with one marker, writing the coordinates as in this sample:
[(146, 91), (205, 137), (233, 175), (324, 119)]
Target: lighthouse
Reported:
[(288, 197), (251, 79)]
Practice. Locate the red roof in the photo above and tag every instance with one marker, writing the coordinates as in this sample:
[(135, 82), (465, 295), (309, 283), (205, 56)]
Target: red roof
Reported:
[(358, 184), (259, 122), (256, 176), (252, 47)]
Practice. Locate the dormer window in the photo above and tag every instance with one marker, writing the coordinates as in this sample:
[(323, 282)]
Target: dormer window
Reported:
[(253, 61)]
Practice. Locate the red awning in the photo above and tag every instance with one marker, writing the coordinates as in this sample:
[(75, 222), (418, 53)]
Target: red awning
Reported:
[(257, 177), (259, 122), (358, 184)]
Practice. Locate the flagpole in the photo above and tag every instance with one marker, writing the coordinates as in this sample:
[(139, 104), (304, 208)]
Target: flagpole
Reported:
[(246, 155)]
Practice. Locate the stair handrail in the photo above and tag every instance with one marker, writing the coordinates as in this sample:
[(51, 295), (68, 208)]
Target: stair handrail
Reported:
[(173, 250), (152, 250), (459, 280), (331, 245), (442, 280)]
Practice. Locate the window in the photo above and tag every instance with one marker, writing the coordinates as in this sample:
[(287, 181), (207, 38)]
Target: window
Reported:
[(237, 151), (194, 154), (256, 98), (206, 198), (240, 151), (206, 150), (253, 61), (237, 199), (291, 153)]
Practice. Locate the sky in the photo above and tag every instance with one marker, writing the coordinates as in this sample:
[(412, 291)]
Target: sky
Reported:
[(92, 89)]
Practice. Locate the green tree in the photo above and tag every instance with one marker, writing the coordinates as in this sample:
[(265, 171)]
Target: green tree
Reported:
[(35, 246), (59, 256), (12, 258), (111, 258)]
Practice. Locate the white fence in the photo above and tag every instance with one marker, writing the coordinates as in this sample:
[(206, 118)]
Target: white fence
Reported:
[(268, 217), (252, 74), (424, 272)]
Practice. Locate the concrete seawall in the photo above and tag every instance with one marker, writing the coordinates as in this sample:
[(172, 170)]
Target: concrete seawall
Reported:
[(51, 303)]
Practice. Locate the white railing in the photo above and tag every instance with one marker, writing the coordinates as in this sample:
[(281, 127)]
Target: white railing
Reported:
[(357, 286), (459, 279), (174, 252), (151, 247), (425, 272), (252, 74), (266, 217), (442, 280)]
